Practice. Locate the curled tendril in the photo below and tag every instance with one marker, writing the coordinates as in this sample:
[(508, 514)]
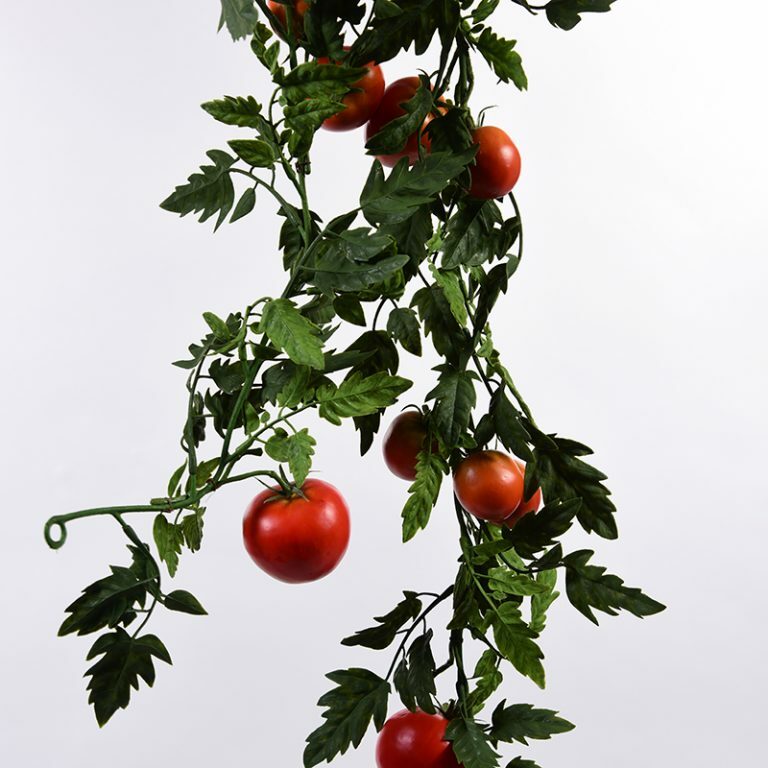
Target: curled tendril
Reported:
[(52, 526)]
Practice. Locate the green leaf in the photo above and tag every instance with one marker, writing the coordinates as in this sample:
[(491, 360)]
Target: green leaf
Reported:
[(454, 398), (358, 698), (192, 528), (484, 10), (305, 118), (105, 602), (540, 603), (349, 308), (184, 602), (415, 676), (403, 326), (399, 195), (395, 134), (168, 539), (205, 470), (175, 482), (470, 744), (502, 58), (488, 679), (589, 586), (566, 13), (423, 492), (451, 284), (290, 331), (514, 639), (296, 449), (242, 111), (244, 205), (324, 23), (380, 637), (520, 722), (507, 582), (439, 323), (508, 425), (124, 659), (254, 152), (208, 192), (239, 16), (519, 762), (533, 533), (313, 80), (359, 395), (218, 326)]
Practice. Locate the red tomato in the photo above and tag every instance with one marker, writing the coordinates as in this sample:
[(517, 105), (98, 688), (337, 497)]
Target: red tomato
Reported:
[(389, 108), (489, 485), (414, 740), (297, 539), (361, 104), (497, 163), (300, 7), (525, 506), (402, 443)]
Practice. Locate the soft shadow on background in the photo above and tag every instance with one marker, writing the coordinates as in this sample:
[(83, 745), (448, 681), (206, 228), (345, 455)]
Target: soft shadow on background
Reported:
[(635, 324)]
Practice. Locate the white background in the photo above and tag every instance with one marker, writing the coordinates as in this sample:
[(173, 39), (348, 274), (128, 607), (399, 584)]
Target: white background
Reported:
[(636, 324)]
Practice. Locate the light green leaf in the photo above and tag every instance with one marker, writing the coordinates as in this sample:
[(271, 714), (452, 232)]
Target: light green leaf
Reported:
[(254, 152), (168, 539), (291, 332), (359, 395)]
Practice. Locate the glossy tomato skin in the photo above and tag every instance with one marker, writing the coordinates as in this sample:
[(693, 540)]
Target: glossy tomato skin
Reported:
[(497, 164), (389, 108), (300, 7), (297, 539), (360, 104), (414, 740), (489, 485), (526, 505), (402, 443)]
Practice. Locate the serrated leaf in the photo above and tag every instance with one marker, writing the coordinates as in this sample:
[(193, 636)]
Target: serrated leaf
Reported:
[(423, 492), (124, 659), (254, 152), (184, 602), (404, 327), (358, 698), (515, 640), (502, 58), (566, 14), (454, 398), (484, 10), (589, 586), (533, 533), (239, 16), (208, 192), (439, 323), (450, 282), (242, 111), (192, 529), (415, 676), (359, 395), (168, 538), (324, 23), (305, 118), (381, 636), (487, 678), (313, 80), (290, 331), (540, 603), (520, 722), (296, 449), (470, 744), (508, 582), (519, 762)]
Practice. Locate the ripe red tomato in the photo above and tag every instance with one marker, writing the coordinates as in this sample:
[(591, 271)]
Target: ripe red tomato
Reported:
[(414, 740), (526, 505), (362, 103), (402, 443), (389, 108), (300, 7), (489, 485), (297, 539), (497, 163)]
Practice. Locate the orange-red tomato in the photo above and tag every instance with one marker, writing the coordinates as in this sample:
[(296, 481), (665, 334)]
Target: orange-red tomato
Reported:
[(300, 7), (402, 443), (526, 505), (389, 108), (497, 163), (297, 538), (489, 485), (414, 740), (360, 103)]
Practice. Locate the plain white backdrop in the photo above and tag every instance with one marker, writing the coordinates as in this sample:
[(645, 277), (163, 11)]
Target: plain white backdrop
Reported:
[(636, 324)]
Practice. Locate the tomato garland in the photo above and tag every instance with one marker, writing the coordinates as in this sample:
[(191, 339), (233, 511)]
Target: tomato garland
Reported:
[(445, 221)]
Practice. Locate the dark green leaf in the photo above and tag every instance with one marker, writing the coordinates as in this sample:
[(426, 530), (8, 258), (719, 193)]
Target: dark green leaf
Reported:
[(349, 308), (509, 427), (520, 722), (359, 395), (168, 539), (192, 528), (244, 205), (439, 323), (184, 602), (175, 481), (470, 744), (540, 603), (533, 533), (488, 678), (484, 10), (423, 492), (589, 586), (415, 676), (319, 81), (208, 192), (218, 326), (501, 56), (454, 398), (519, 762), (288, 330), (566, 13), (381, 636), (324, 23), (404, 327), (358, 698), (515, 640), (124, 659)]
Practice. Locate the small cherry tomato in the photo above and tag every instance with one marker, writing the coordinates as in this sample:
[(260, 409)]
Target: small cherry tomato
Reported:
[(402, 443), (297, 538), (414, 740), (361, 103), (489, 485), (281, 24), (395, 95), (497, 164)]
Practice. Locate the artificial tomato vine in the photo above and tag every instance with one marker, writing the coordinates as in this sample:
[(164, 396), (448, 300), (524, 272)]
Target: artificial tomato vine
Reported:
[(425, 255)]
